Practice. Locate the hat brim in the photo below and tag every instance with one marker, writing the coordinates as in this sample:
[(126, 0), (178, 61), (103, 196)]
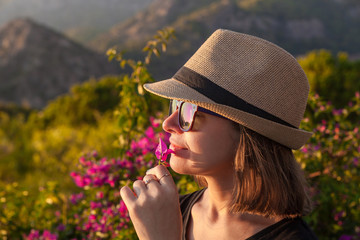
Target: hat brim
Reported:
[(173, 89)]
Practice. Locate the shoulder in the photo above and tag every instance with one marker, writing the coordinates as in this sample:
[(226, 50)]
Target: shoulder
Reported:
[(286, 229), (192, 195), (188, 200)]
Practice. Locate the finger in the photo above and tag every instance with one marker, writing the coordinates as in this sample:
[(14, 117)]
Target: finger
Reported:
[(127, 195), (158, 171), (162, 173), (150, 178), (139, 186), (150, 171), (164, 176)]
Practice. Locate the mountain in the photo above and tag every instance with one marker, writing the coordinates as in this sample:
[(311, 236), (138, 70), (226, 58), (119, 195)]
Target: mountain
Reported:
[(297, 26), (37, 64), (81, 20)]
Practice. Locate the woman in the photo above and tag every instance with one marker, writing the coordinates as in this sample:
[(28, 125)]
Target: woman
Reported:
[(236, 106)]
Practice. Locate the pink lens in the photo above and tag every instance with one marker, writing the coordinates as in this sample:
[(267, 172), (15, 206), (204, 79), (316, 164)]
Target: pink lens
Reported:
[(186, 116)]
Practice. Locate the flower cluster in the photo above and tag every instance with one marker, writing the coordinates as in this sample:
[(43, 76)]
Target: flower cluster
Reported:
[(147, 143), (162, 152), (100, 172), (97, 212), (331, 160), (46, 235)]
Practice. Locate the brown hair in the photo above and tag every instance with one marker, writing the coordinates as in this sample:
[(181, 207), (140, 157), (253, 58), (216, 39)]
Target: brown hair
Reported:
[(269, 181)]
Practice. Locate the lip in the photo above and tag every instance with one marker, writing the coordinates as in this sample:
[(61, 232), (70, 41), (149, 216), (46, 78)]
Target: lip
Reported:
[(179, 150), (176, 147)]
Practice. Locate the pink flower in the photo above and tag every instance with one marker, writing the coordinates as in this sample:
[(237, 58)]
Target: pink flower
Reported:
[(109, 211), (322, 128), (83, 162), (337, 112), (92, 217), (103, 220), (317, 147), (339, 215), (87, 226), (94, 205), (99, 195), (345, 237), (75, 198), (91, 171), (86, 180), (356, 130), (122, 209), (61, 227), (150, 133), (34, 234), (111, 182), (304, 150), (58, 214), (162, 152), (48, 236), (154, 122), (355, 161)]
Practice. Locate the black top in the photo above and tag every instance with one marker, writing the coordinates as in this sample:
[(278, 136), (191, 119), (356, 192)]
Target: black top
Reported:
[(286, 229)]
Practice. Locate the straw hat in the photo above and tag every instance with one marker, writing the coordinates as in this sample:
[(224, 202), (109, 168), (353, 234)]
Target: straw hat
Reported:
[(246, 79)]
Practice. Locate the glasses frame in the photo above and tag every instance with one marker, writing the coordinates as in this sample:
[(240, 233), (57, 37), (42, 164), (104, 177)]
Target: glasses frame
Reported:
[(179, 104)]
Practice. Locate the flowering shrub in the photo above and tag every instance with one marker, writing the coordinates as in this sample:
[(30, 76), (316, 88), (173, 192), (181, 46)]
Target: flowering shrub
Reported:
[(331, 159), (20, 211), (96, 211)]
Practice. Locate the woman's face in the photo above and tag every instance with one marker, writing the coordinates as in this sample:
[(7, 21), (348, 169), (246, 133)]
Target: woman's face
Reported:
[(207, 149)]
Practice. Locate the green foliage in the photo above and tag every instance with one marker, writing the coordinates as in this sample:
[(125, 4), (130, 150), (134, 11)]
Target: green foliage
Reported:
[(38, 146), (85, 103), (57, 136), (137, 105), (15, 150), (331, 159), (335, 79), (38, 150), (56, 148), (18, 207)]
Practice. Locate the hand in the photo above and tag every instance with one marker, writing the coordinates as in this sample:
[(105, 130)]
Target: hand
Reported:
[(154, 207)]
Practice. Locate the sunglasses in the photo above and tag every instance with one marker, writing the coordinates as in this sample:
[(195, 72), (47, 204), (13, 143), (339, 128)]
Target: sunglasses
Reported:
[(187, 113)]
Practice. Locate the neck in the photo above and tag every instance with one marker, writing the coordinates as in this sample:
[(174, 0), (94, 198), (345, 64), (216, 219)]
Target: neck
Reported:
[(219, 193), (218, 197)]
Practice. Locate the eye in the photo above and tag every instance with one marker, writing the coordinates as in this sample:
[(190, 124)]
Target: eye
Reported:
[(200, 114)]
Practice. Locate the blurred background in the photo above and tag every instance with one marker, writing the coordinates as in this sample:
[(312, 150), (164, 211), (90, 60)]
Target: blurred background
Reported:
[(54, 44), (61, 98)]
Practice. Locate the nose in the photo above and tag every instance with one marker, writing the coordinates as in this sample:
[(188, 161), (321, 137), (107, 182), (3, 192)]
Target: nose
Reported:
[(171, 125)]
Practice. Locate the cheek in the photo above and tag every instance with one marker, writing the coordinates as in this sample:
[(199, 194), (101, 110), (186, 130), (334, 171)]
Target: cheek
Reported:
[(205, 155), (180, 165), (214, 149)]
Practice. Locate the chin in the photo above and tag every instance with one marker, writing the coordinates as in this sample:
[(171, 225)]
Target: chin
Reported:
[(176, 167), (179, 165), (184, 166)]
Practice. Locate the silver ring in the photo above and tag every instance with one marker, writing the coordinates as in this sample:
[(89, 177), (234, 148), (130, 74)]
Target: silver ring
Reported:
[(165, 175), (152, 178), (149, 181)]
